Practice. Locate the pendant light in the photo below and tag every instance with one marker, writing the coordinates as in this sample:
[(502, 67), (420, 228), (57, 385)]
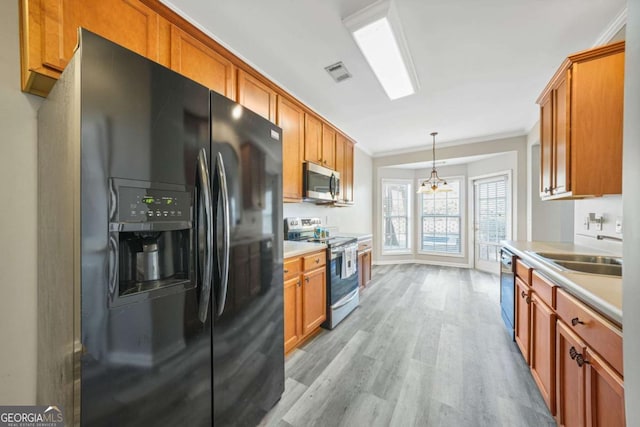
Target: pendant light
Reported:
[(434, 184)]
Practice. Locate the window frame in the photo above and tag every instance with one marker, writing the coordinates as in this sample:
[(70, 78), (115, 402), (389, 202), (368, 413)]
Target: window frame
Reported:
[(410, 219), (461, 179)]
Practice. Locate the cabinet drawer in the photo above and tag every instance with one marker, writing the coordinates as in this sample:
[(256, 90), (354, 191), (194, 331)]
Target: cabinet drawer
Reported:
[(292, 267), (365, 245), (523, 271), (314, 260), (598, 333), (545, 289)]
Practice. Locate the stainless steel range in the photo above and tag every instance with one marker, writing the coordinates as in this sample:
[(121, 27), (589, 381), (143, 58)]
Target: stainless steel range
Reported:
[(342, 272)]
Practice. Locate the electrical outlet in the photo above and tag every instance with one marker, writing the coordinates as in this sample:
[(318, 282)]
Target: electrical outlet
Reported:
[(586, 223), (619, 225)]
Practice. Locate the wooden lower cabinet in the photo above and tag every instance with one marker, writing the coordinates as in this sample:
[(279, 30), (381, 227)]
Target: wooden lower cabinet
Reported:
[(570, 378), (575, 354), (364, 262), (542, 355), (292, 312), (305, 296), (523, 318), (604, 393), (314, 297)]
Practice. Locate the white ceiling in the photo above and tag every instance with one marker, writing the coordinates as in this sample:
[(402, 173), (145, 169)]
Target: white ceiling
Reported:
[(481, 63)]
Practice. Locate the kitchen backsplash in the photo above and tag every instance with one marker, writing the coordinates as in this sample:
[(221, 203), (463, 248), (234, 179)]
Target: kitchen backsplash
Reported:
[(610, 208)]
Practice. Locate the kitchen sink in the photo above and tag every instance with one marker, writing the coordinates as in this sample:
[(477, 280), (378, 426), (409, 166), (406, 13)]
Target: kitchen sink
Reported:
[(592, 259), (592, 267)]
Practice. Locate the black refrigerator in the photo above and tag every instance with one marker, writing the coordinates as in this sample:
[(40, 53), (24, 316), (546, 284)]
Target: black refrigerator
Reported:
[(159, 248)]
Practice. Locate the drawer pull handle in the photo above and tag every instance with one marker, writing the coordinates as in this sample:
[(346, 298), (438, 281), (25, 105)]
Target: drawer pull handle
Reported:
[(578, 357), (306, 279), (286, 271), (523, 294), (575, 321), (528, 300), (573, 353), (317, 260), (580, 360), (299, 283)]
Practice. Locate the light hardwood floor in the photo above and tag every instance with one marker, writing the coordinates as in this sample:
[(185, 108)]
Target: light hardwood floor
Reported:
[(426, 347)]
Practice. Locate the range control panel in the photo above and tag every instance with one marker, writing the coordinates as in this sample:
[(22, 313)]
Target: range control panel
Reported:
[(150, 204)]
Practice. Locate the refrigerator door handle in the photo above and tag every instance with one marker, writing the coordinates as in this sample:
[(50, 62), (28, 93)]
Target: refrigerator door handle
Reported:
[(222, 176), (205, 195)]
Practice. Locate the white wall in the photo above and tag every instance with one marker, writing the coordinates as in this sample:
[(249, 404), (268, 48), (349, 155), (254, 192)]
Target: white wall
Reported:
[(610, 207), (351, 219), (631, 211), (551, 220), (18, 178)]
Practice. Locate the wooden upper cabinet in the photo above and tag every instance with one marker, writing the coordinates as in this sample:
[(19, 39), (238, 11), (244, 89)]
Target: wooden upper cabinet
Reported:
[(256, 95), (349, 183), (328, 146), (192, 58), (49, 32), (581, 125), (312, 139), (341, 165), (290, 118)]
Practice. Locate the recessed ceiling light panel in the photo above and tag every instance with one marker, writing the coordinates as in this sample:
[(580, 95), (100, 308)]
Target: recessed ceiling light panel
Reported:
[(378, 33)]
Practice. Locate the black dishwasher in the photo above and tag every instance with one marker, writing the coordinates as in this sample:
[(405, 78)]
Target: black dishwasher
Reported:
[(507, 285)]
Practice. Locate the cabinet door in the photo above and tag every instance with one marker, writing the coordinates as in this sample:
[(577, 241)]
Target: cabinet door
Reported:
[(341, 143), (328, 146), (312, 139), (192, 58), (361, 282), (292, 313), (561, 149), (314, 310), (256, 96), (366, 268), (604, 393), (546, 146), (128, 23), (348, 173), (570, 379), (542, 354), (523, 317), (291, 120)]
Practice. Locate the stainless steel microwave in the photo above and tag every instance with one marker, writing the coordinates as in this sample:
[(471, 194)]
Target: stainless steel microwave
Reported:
[(320, 183)]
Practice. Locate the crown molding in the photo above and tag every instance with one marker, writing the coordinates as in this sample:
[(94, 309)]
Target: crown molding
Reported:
[(612, 29)]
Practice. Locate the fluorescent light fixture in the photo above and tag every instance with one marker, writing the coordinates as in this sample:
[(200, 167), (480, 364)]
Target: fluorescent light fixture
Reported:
[(377, 32)]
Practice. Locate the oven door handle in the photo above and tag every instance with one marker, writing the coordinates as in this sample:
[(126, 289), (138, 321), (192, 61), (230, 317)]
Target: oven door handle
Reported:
[(347, 301)]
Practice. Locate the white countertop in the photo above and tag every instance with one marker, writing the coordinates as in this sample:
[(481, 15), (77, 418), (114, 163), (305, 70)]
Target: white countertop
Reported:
[(359, 236), (602, 293), (293, 248)]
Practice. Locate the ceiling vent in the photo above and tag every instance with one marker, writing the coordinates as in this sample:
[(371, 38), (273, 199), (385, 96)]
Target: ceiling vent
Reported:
[(338, 71)]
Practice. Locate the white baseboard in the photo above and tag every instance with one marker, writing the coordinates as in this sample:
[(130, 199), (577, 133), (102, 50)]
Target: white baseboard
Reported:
[(422, 261)]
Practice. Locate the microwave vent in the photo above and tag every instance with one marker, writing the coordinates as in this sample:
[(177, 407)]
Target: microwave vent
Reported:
[(338, 72)]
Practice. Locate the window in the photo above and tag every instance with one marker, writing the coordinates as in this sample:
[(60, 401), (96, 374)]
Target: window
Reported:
[(395, 215), (442, 220)]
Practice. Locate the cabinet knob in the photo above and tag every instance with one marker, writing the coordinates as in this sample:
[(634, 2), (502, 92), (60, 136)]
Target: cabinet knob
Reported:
[(528, 300), (575, 321), (573, 353), (299, 283), (286, 271), (546, 189), (523, 294), (580, 360), (306, 279), (317, 260)]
